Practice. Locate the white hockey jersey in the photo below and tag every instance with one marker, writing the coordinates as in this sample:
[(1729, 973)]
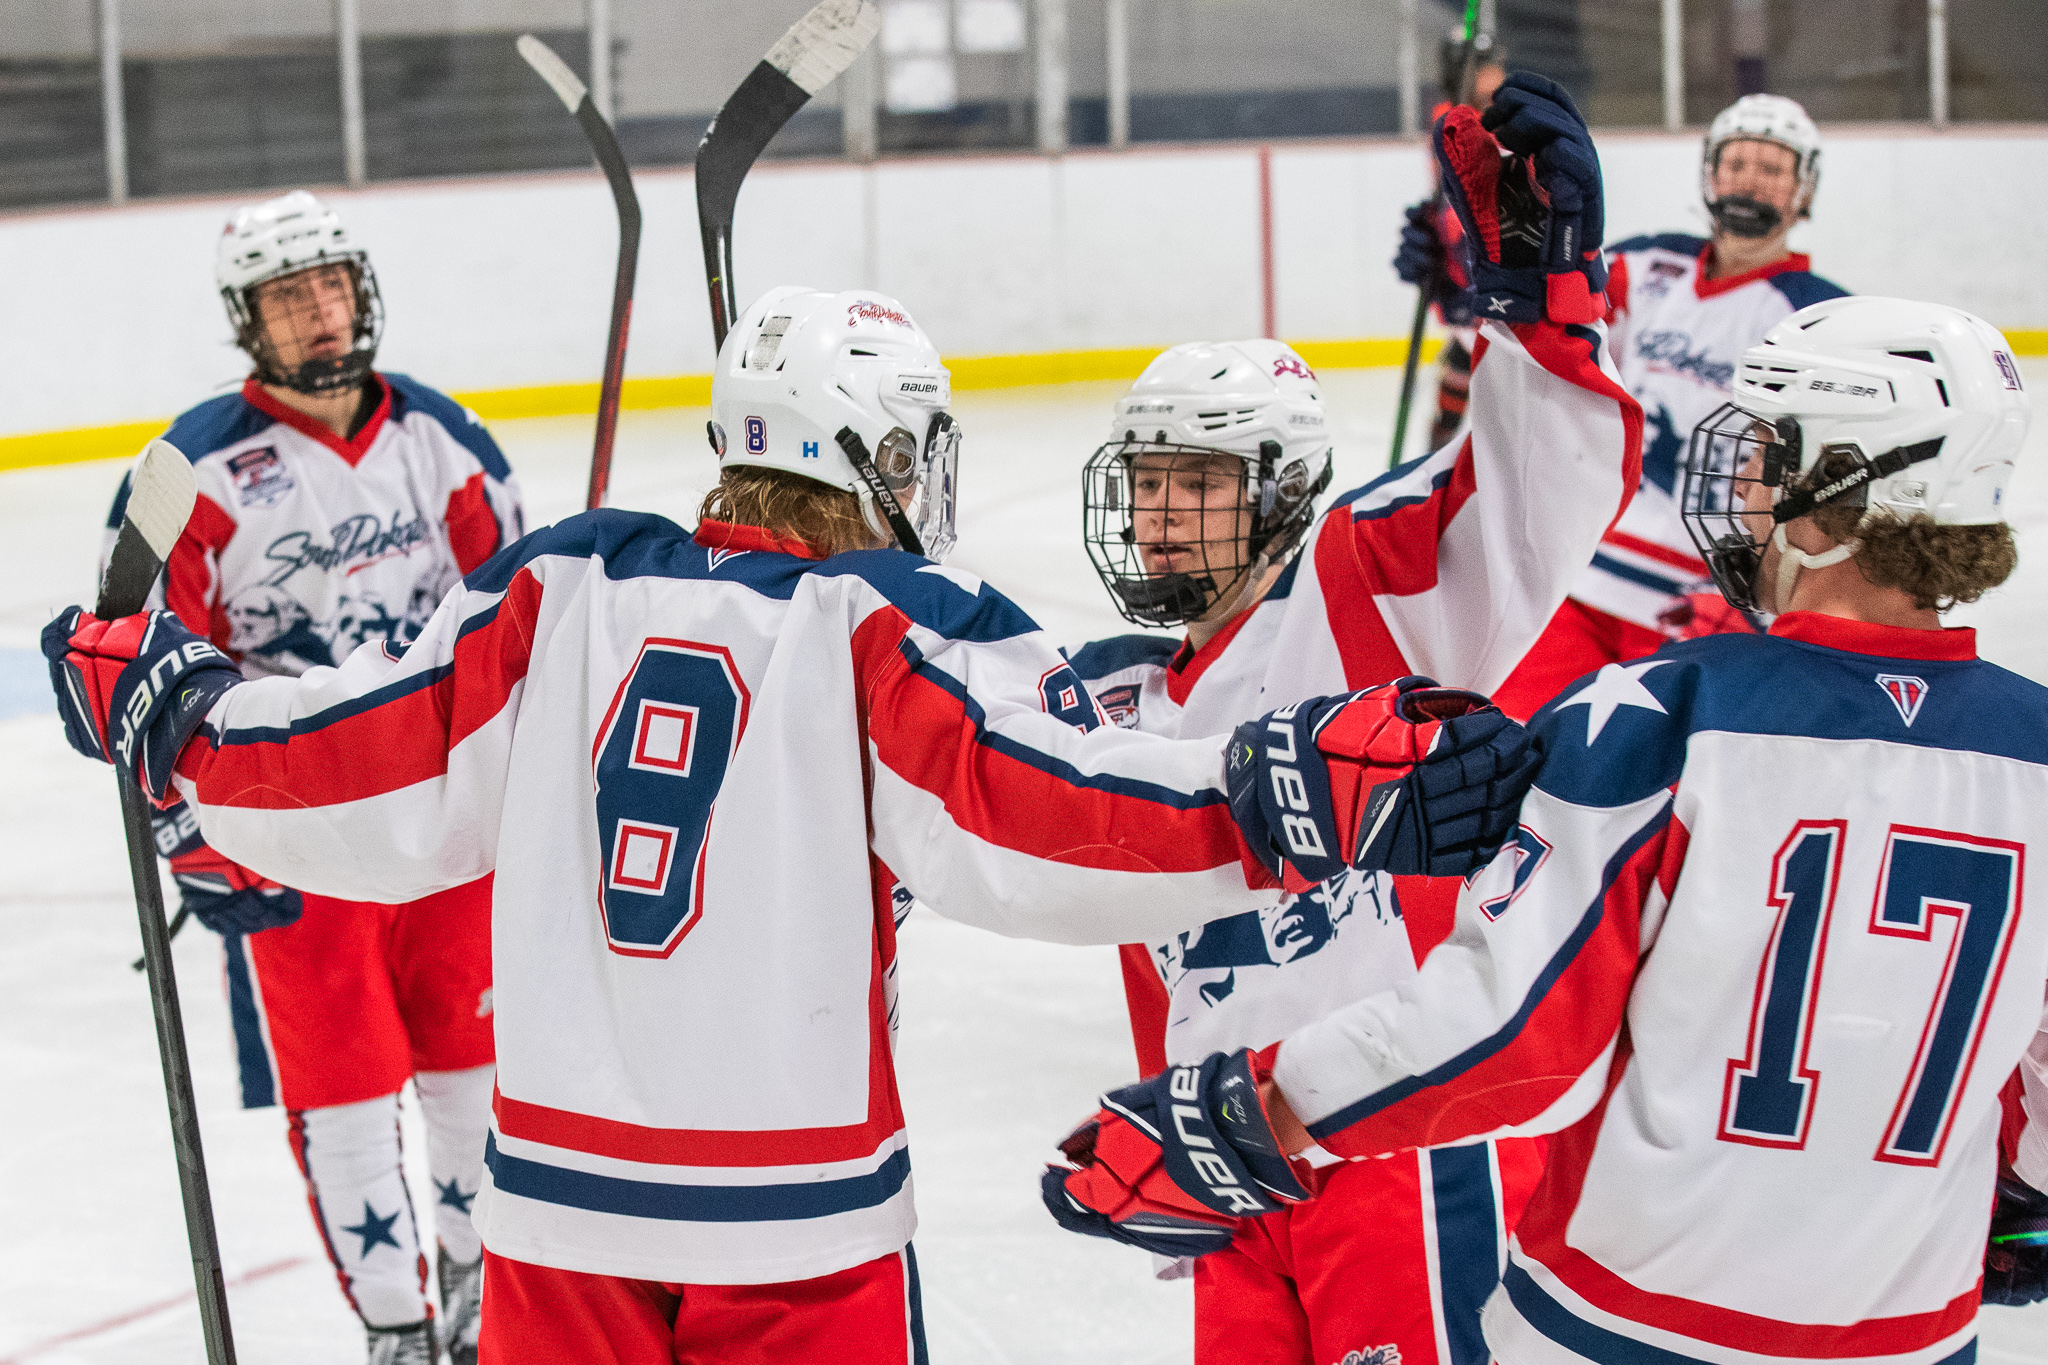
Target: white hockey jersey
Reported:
[(1762, 956), (304, 545), (699, 767), (1677, 337), (1448, 566)]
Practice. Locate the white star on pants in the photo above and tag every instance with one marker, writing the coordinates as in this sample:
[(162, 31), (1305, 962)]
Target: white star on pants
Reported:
[(1613, 686)]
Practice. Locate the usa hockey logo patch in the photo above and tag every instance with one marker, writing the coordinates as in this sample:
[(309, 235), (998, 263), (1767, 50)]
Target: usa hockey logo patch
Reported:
[(1906, 693), (259, 477)]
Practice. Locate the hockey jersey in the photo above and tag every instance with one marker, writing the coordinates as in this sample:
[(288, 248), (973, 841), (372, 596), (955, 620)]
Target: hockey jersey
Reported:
[(1448, 566), (699, 766), (1677, 339), (1762, 956), (303, 544)]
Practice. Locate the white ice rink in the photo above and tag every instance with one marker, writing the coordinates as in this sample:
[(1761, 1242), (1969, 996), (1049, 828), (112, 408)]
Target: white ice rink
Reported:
[(1003, 1043)]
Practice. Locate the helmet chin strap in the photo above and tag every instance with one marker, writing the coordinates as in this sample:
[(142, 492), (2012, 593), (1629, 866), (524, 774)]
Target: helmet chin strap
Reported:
[(1792, 559)]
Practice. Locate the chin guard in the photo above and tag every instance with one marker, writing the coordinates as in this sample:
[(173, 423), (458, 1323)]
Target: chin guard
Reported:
[(1738, 215)]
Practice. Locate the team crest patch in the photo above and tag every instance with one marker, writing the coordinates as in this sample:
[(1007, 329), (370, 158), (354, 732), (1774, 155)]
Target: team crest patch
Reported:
[(259, 477), (1906, 693), (1389, 1354), (1120, 704)]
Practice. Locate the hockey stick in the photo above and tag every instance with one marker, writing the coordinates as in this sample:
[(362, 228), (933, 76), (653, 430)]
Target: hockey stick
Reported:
[(159, 503), (1436, 204), (170, 935), (803, 61), (572, 93)]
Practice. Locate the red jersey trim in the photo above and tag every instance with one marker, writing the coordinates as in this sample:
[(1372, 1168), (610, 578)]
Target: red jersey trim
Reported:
[(726, 535), (1650, 549), (1956, 644), (1190, 663), (350, 449), (1706, 289)]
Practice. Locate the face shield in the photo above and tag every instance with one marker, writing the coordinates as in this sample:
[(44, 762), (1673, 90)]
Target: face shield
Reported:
[(913, 485)]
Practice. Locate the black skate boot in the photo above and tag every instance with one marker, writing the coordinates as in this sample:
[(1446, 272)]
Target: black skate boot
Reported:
[(412, 1344), (462, 1296)]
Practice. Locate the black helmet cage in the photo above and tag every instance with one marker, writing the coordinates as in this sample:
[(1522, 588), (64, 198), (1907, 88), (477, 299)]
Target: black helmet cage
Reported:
[(315, 375), (1713, 502), (1280, 495)]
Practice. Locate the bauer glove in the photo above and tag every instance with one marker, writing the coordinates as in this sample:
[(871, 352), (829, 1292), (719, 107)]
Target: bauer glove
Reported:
[(132, 691), (2016, 1257), (1173, 1163), (1524, 180), (230, 899), (1407, 778), (1424, 261)]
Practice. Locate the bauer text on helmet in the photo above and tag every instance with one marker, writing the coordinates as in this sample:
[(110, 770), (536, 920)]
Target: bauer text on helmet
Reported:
[(1760, 165), (300, 293), (1920, 405), (1208, 479), (845, 389)]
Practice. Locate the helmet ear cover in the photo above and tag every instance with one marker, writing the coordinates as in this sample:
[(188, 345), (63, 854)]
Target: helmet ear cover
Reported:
[(879, 489)]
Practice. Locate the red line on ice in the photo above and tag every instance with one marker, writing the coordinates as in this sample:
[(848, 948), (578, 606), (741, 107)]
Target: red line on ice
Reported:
[(261, 1272)]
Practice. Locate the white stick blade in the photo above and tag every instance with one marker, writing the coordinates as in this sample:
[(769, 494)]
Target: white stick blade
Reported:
[(552, 69), (824, 42), (161, 494)]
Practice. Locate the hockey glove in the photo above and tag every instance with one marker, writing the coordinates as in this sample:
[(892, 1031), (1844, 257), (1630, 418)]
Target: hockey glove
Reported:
[(132, 691), (230, 899), (1407, 778), (1172, 1163), (2016, 1258), (1535, 219)]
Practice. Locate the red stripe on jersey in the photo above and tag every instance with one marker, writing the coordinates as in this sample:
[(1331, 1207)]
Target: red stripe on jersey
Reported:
[(192, 574), (1650, 549), (1396, 551), (350, 448), (1617, 286), (1705, 288), (1563, 1035), (744, 1147), (1146, 995), (473, 530), (1007, 801), (411, 734)]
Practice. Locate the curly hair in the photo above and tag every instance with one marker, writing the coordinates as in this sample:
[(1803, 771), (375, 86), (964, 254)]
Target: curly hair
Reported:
[(791, 506), (1937, 566)]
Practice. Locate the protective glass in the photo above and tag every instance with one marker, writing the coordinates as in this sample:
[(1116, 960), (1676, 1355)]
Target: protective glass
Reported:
[(932, 506), (1736, 468), (1168, 527)]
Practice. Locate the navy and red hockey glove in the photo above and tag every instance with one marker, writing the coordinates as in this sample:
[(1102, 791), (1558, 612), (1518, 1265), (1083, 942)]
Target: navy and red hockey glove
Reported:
[(1425, 262), (1173, 1163), (1524, 180), (230, 899), (1407, 778), (2016, 1257), (132, 692)]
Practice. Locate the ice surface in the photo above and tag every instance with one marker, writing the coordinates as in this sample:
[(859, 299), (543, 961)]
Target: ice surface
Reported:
[(1003, 1043)]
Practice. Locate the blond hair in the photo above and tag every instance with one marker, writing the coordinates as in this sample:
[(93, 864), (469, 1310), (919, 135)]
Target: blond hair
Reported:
[(790, 506)]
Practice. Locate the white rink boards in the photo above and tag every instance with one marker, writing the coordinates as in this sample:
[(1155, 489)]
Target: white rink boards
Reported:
[(1003, 1043)]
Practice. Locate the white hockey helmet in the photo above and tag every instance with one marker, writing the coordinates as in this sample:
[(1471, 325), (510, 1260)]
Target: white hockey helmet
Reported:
[(1926, 398), (279, 237), (1256, 400), (848, 390), (1760, 118)]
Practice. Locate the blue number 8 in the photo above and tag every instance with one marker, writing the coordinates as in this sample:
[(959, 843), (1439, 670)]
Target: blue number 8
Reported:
[(660, 757)]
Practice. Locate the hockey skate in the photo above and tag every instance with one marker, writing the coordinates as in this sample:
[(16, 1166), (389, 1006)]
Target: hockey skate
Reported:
[(462, 1296), (412, 1344)]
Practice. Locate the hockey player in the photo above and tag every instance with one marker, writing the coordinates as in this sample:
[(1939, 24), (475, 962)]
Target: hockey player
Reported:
[(1765, 945), (333, 500), (1684, 310), (1196, 509), (699, 765)]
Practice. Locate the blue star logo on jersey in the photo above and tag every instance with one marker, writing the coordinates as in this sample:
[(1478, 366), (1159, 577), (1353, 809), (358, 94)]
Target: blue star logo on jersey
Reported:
[(375, 1231), (1613, 687), (453, 1197)]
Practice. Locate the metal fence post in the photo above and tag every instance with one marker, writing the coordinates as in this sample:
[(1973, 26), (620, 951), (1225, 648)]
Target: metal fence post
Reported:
[(1409, 68), (1937, 62), (858, 95), (113, 101), (1052, 77), (348, 37), (1116, 28), (600, 15), (1674, 65)]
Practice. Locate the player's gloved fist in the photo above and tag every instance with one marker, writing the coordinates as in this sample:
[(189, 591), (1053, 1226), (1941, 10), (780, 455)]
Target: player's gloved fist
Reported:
[(132, 691), (1172, 1163), (230, 899), (1407, 778), (1423, 261), (1534, 219), (2016, 1258)]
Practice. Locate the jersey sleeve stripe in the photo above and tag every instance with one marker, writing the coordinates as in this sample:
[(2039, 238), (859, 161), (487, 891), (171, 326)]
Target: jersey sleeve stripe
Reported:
[(1587, 978)]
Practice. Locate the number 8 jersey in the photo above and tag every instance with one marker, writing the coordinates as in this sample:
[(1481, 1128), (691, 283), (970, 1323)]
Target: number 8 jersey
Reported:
[(1764, 953), (699, 767)]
